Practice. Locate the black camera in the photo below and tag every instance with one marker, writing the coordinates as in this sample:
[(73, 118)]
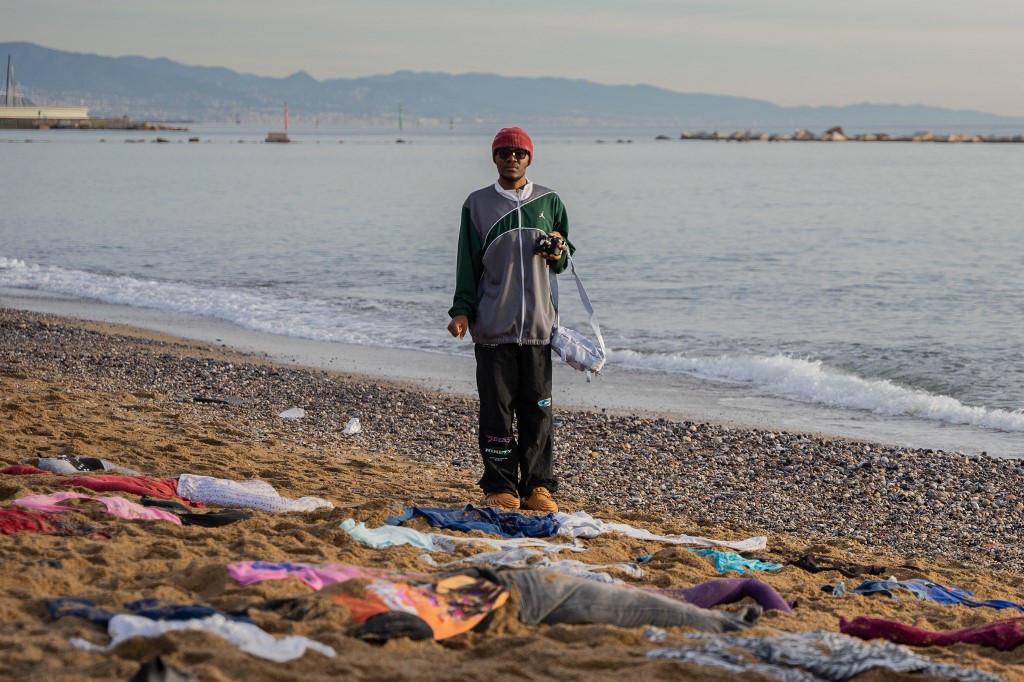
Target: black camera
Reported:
[(550, 244)]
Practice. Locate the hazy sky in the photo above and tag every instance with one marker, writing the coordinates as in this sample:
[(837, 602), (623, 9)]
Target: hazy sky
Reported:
[(950, 53)]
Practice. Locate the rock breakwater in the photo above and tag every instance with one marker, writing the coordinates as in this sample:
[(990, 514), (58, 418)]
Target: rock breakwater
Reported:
[(836, 134)]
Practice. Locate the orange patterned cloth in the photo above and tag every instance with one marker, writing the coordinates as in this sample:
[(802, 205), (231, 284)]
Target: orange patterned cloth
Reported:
[(450, 606)]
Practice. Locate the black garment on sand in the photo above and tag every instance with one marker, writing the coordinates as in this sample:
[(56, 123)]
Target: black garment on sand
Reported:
[(389, 625), (815, 564), (155, 670), (147, 607), (86, 463), (191, 518)]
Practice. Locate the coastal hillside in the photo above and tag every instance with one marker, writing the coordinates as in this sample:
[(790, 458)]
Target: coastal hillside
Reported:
[(165, 90)]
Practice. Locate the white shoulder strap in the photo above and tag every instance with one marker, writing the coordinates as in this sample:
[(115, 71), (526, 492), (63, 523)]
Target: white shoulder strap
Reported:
[(583, 297)]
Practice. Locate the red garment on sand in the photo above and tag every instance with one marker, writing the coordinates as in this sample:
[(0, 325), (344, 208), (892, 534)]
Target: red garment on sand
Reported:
[(15, 520), (1003, 634), (23, 470), (165, 488)]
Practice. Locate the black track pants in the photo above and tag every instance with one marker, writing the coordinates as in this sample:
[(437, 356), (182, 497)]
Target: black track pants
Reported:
[(515, 382)]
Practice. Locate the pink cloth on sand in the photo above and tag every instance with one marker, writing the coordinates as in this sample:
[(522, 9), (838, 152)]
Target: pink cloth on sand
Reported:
[(316, 576), (118, 506)]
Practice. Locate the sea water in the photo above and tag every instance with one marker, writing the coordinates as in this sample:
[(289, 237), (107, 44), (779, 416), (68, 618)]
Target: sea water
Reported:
[(883, 281)]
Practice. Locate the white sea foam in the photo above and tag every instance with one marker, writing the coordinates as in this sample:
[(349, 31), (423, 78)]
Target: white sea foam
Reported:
[(374, 323), (353, 322), (811, 381)]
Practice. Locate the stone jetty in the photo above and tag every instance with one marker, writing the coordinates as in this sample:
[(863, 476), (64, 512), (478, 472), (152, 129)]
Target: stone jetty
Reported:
[(836, 134)]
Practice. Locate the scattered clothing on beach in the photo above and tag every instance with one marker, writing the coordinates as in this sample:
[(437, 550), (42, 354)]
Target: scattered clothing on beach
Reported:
[(147, 607), (813, 563), (389, 536), (388, 625), (78, 607), (214, 519), (188, 565), (485, 519), (152, 617), (67, 464), (449, 606), (117, 506), (812, 657), (157, 670), (583, 525), (166, 488), (14, 520), (576, 525), (553, 598), (253, 494), (316, 576), (731, 561), (521, 557), (727, 591), (246, 636), (929, 591), (579, 569), (1005, 635), (455, 603), (516, 556), (705, 595), (23, 470)]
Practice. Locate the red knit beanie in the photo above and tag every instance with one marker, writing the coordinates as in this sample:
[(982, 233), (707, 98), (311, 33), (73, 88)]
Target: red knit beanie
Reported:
[(512, 137)]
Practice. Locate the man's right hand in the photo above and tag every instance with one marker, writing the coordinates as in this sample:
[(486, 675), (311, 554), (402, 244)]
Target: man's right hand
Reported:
[(458, 326)]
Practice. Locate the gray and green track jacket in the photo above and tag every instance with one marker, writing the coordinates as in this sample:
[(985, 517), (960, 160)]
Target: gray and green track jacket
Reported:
[(501, 284)]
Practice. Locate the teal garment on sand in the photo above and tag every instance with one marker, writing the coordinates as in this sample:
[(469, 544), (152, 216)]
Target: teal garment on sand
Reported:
[(731, 561)]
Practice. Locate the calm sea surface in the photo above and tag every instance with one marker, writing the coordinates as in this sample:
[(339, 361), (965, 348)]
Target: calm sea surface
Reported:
[(883, 279)]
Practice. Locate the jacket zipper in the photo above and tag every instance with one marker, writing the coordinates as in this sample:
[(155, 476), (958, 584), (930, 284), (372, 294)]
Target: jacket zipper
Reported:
[(522, 268)]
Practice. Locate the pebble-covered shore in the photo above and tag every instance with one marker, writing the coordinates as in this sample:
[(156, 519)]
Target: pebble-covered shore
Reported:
[(937, 505)]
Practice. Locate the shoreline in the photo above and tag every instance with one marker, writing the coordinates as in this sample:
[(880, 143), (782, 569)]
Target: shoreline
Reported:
[(617, 391), (684, 397), (166, 406), (703, 469)]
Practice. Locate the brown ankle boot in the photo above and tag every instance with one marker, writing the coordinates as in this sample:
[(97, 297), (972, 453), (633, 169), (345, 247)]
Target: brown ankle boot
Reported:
[(540, 500), (502, 501)]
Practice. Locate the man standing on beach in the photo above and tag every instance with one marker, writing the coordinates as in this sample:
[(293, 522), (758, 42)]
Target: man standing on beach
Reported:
[(512, 241)]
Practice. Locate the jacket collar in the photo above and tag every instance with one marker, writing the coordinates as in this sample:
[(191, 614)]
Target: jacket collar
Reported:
[(524, 193)]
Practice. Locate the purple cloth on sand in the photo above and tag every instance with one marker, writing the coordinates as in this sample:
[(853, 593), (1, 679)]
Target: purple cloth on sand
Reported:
[(1003, 634), (729, 590)]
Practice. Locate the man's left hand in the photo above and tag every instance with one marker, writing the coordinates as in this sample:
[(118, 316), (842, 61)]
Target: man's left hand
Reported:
[(564, 247)]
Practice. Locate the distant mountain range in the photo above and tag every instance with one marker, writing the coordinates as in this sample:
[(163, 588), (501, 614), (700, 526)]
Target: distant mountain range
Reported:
[(164, 90)]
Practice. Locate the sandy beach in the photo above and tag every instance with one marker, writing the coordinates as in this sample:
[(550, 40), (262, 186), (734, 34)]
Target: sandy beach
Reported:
[(165, 407)]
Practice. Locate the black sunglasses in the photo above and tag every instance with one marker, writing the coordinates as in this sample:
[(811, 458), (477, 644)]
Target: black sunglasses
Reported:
[(505, 152)]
